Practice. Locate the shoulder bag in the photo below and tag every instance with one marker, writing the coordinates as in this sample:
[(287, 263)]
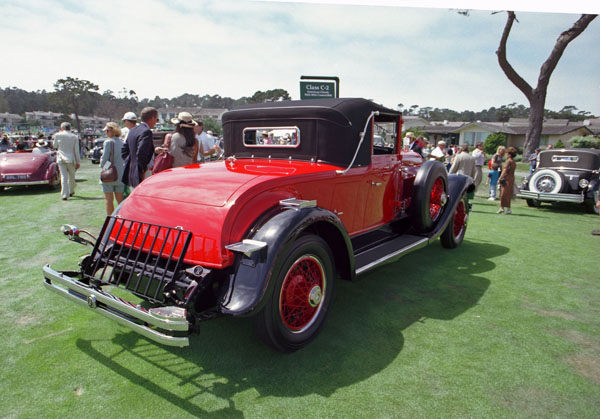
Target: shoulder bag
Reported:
[(110, 174), (164, 160)]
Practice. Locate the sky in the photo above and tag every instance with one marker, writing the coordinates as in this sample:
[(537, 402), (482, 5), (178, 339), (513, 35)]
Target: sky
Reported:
[(390, 53)]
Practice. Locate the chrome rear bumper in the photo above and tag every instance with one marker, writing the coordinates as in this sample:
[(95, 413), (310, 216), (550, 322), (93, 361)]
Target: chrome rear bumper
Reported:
[(27, 183), (551, 197), (137, 318)]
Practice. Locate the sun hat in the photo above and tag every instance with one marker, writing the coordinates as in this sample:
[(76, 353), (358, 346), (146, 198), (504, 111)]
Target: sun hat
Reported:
[(129, 116), (410, 134), (42, 143), (185, 118)]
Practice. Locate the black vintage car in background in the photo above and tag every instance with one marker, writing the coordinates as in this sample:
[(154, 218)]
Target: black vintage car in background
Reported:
[(96, 152), (564, 175)]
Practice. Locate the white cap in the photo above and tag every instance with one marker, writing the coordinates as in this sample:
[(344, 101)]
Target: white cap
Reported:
[(129, 116)]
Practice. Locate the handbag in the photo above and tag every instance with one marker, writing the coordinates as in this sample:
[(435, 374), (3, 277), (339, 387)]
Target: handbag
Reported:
[(110, 174), (164, 160)]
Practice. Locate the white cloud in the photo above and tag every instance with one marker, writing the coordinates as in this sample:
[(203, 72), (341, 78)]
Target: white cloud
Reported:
[(393, 55)]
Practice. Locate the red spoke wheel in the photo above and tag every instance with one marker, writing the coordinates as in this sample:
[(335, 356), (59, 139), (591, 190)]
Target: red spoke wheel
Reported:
[(302, 292), (303, 285), (454, 234), (430, 195), (437, 199)]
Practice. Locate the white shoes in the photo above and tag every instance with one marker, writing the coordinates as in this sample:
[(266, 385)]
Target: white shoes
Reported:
[(508, 211), (500, 211), (491, 198)]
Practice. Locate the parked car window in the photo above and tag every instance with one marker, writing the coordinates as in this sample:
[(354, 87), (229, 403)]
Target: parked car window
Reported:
[(272, 137)]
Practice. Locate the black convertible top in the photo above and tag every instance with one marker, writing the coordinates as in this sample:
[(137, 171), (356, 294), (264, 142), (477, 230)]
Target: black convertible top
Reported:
[(330, 128)]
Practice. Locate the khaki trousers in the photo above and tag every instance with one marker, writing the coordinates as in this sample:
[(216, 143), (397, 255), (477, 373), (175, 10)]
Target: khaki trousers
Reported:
[(67, 179)]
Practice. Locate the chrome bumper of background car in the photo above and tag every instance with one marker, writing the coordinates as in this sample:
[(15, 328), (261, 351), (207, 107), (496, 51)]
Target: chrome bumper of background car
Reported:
[(554, 197), (119, 310), (35, 182)]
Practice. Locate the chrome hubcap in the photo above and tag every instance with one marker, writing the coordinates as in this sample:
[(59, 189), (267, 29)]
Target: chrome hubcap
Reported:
[(315, 296)]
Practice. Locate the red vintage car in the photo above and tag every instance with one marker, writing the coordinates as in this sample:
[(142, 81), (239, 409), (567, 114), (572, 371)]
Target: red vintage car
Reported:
[(303, 196), (27, 167)]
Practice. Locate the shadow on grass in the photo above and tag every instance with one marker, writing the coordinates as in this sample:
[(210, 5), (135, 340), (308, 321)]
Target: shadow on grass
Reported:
[(87, 198), (29, 190), (362, 335)]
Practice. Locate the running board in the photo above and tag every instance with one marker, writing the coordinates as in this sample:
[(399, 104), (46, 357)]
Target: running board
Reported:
[(391, 249)]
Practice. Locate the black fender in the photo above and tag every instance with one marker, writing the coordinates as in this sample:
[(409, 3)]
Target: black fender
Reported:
[(457, 186), (250, 282)]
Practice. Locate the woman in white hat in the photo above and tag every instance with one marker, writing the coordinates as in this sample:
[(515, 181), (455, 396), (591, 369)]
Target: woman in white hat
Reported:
[(112, 190)]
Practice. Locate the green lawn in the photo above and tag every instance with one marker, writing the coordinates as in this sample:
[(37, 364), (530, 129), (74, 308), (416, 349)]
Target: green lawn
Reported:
[(507, 325)]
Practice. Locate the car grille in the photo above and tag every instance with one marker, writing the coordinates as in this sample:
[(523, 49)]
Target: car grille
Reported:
[(141, 257)]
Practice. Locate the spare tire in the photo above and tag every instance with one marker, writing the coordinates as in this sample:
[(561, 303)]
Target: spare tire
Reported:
[(546, 181), (430, 194)]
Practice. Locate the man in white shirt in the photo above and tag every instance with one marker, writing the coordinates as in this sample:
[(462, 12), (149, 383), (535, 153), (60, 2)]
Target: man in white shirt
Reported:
[(206, 144), (67, 157), (479, 161)]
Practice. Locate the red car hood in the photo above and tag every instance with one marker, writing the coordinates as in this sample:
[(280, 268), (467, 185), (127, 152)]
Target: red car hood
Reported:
[(22, 163)]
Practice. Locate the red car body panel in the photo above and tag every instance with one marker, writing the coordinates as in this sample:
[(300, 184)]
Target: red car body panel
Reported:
[(27, 168), (221, 210)]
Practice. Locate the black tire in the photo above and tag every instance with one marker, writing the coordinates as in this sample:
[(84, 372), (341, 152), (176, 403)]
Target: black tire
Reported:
[(430, 193), (535, 203), (55, 181), (590, 204), (454, 234), (302, 293)]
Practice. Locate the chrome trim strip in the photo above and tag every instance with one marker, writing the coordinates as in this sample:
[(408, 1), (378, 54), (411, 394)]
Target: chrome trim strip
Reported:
[(415, 246), (298, 203), (35, 182), (555, 197), (61, 284), (247, 246)]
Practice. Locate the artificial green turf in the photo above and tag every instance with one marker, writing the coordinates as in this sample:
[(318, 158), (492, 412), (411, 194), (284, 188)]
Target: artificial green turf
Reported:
[(507, 325)]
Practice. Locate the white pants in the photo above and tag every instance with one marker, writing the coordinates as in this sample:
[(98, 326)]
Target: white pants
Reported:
[(67, 179)]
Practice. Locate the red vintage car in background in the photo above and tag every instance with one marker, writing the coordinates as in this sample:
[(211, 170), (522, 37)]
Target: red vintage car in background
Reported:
[(27, 168), (304, 196)]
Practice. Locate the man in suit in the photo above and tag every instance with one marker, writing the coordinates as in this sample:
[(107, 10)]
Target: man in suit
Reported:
[(67, 157), (138, 150)]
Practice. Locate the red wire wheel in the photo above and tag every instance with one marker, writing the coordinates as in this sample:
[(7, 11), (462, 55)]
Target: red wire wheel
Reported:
[(437, 199), (302, 293), (454, 234), (429, 196), (460, 219)]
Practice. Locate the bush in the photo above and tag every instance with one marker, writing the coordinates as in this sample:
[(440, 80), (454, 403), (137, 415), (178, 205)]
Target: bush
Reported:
[(589, 141), (493, 141), (559, 144)]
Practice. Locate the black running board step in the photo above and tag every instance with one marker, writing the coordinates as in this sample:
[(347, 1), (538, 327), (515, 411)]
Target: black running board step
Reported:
[(388, 250)]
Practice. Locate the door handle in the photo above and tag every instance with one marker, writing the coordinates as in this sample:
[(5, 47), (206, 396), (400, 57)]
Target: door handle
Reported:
[(373, 183)]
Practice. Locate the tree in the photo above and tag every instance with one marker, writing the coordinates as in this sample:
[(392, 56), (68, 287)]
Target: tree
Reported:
[(75, 95), (589, 141), (559, 144), (537, 96), (274, 95), (493, 141)]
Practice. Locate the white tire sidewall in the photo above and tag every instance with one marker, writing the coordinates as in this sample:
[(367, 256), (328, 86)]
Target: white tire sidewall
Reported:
[(558, 182)]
